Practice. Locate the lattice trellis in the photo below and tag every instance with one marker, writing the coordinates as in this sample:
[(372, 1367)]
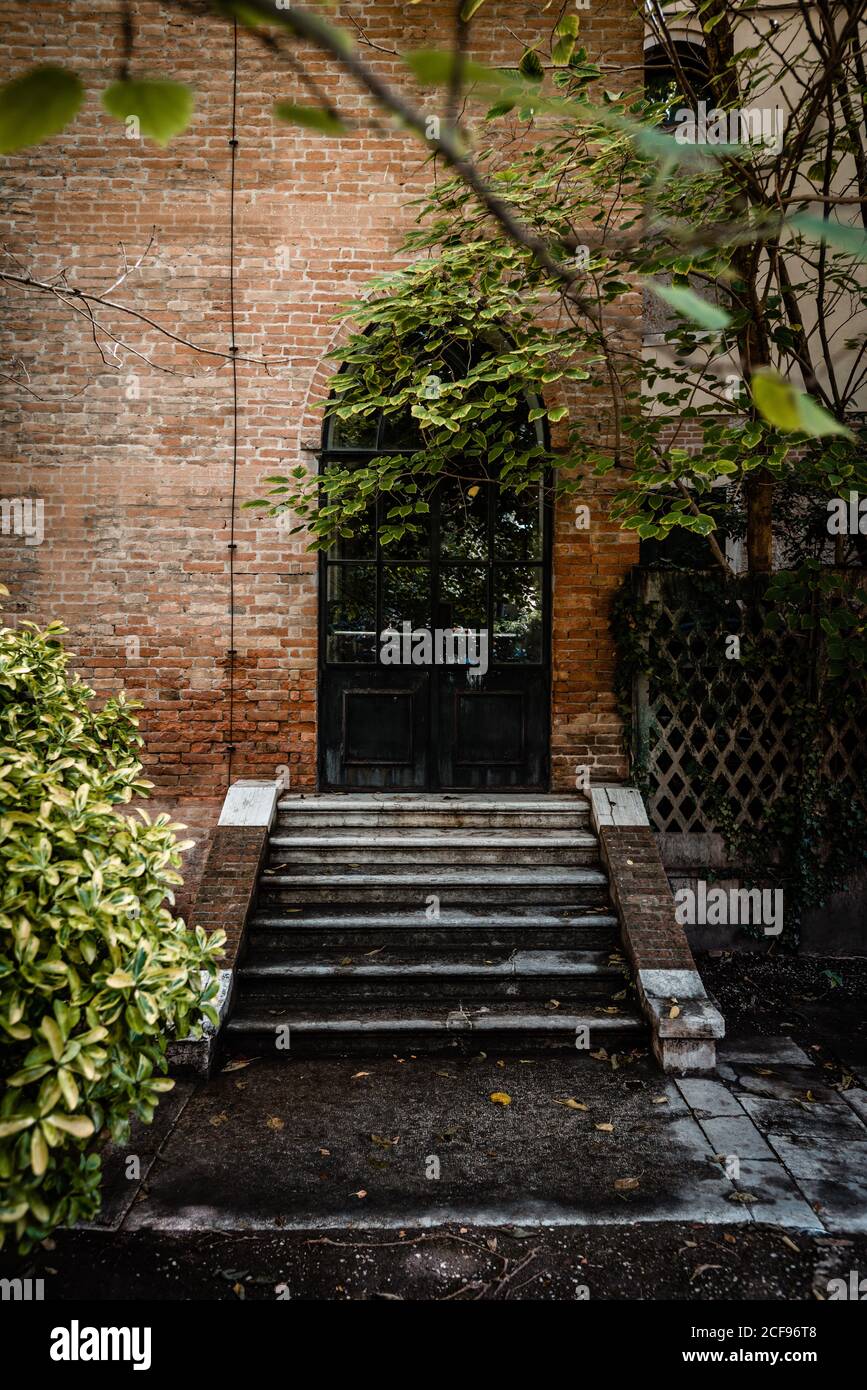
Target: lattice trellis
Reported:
[(705, 724)]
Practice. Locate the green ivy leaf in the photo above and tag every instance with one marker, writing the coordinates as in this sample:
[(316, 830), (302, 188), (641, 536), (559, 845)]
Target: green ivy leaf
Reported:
[(36, 105), (163, 108)]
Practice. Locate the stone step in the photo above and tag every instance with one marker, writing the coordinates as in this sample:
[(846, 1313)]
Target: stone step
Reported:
[(346, 811), (351, 931), (461, 886), (473, 1027), (410, 846), (402, 974)]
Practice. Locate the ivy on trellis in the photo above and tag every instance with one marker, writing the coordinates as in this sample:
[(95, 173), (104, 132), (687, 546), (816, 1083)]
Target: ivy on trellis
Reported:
[(743, 702)]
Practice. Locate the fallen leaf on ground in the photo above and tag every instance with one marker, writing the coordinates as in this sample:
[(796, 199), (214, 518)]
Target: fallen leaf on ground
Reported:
[(500, 1098), (355, 1075), (626, 1184), (572, 1104), (362, 1192), (326, 1153), (221, 1119), (791, 1244), (607, 1128), (384, 1142), (237, 1063), (700, 1269), (674, 1011), (659, 1100), (274, 1122)]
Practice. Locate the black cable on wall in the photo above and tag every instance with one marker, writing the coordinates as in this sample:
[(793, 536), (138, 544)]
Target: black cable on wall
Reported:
[(233, 350)]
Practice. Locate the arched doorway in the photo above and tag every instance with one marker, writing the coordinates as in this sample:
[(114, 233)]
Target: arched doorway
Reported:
[(435, 651)]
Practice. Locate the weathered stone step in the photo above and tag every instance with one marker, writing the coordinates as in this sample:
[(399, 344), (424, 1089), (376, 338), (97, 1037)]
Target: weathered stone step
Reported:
[(472, 1027), (401, 975), (344, 811), (411, 847), (527, 885), (352, 932)]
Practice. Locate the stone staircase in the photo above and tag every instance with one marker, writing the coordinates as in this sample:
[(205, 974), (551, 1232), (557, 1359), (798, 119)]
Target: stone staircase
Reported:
[(397, 922)]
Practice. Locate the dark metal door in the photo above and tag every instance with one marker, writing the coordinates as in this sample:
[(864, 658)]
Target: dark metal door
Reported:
[(400, 705)]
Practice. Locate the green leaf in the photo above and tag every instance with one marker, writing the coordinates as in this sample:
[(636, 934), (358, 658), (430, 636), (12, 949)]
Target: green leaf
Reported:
[(311, 117), (851, 239), (163, 108), (690, 305), (435, 67), (566, 35), (37, 105), (79, 1126), (530, 65), (791, 410), (469, 8), (10, 1127)]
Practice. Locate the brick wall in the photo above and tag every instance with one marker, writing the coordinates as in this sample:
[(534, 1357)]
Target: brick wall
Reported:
[(133, 456)]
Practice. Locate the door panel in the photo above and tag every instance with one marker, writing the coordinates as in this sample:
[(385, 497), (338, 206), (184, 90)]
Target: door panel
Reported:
[(481, 565)]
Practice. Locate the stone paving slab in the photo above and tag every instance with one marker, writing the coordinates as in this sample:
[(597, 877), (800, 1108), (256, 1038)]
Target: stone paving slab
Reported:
[(763, 1051), (832, 1176), (804, 1121), (786, 1083), (780, 1201)]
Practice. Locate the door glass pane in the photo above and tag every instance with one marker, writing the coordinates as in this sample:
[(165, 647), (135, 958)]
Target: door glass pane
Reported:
[(463, 597), (517, 613), (463, 519), (351, 614), (518, 525), (405, 596)]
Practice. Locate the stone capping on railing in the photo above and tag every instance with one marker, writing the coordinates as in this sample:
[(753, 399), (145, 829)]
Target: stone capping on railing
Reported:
[(684, 1024), (226, 894)]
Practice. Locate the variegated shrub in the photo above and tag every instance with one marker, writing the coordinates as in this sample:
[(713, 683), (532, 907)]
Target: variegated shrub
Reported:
[(95, 971)]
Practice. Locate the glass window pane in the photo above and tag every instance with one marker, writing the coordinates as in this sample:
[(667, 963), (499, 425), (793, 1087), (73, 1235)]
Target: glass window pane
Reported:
[(463, 597), (357, 432), (463, 519), (518, 525), (405, 596), (351, 617), (361, 544), (400, 431), (412, 545), (517, 613)]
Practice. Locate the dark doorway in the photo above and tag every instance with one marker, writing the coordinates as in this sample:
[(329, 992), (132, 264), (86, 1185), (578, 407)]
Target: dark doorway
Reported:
[(480, 566)]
